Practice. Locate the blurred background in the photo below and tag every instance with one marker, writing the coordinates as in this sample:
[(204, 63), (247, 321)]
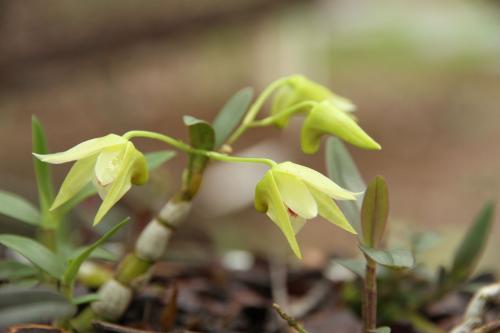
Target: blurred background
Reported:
[(424, 74)]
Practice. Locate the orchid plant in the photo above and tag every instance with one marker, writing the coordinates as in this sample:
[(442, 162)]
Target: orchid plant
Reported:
[(289, 193)]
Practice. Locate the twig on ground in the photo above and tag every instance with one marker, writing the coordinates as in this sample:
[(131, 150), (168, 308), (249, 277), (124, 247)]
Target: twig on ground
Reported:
[(290, 321), (474, 315)]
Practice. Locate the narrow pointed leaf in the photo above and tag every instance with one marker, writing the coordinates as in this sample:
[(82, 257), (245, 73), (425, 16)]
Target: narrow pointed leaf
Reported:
[(231, 114), (43, 174), (74, 264), (22, 305), (89, 298), (374, 212), (157, 158), (395, 258), (35, 252), (14, 270), (473, 244), (343, 171), (14, 206)]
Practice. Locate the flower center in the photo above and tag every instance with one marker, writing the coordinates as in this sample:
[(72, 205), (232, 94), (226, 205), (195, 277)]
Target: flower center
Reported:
[(292, 213)]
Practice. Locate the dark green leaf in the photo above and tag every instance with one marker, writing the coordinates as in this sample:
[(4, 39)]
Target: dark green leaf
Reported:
[(18, 208), (473, 244), (74, 264), (201, 133), (396, 259), (43, 175), (231, 114), (201, 136), (24, 305), (13, 270), (86, 299), (342, 170), (35, 252), (383, 329), (374, 212), (157, 158)]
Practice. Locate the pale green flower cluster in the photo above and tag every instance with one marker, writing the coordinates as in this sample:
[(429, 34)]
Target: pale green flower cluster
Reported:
[(289, 193)]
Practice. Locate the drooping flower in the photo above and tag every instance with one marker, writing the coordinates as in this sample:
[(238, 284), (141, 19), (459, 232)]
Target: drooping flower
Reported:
[(290, 194), (326, 118), (328, 114), (111, 163)]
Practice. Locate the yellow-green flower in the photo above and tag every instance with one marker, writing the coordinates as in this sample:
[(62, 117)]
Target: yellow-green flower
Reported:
[(327, 114), (290, 194), (326, 118), (301, 89), (111, 163)]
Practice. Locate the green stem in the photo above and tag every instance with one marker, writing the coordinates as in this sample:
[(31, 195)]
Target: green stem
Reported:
[(255, 108), (291, 110), (188, 149)]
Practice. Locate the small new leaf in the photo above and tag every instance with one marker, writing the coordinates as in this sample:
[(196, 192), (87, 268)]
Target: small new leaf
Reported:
[(43, 175), (395, 258), (472, 246), (231, 114), (374, 212), (14, 206)]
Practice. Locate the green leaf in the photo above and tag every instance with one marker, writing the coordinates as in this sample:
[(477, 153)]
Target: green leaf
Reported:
[(35, 252), (157, 158), (43, 175), (74, 264), (104, 254), (383, 329), (395, 258), (231, 114), (84, 299), (374, 212), (356, 266), (201, 133), (343, 171), (13, 270), (201, 136), (24, 305), (473, 244), (18, 208)]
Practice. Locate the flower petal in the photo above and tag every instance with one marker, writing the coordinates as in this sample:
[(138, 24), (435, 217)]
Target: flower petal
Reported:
[(78, 176), (268, 199), (316, 180), (82, 150), (329, 210), (122, 182), (297, 223), (107, 164), (326, 118), (295, 195)]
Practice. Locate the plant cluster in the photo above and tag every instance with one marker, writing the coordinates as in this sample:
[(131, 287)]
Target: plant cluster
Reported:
[(289, 194)]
